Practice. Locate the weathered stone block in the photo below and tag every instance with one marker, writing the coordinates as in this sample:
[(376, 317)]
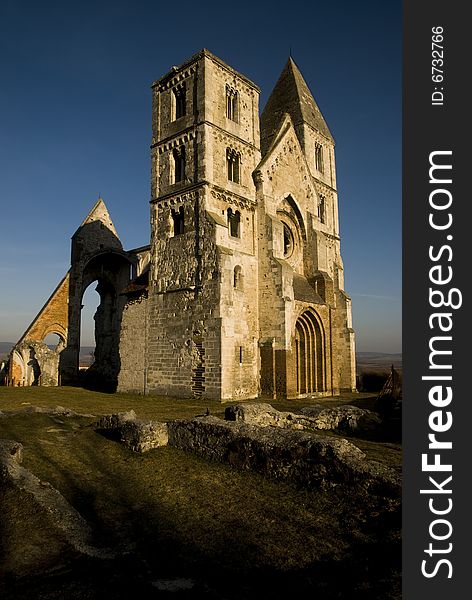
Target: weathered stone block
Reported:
[(10, 452), (116, 420), (140, 436), (308, 459), (345, 418), (262, 415)]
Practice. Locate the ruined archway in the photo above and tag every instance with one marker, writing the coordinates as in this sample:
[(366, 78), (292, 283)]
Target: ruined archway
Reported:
[(109, 272), (17, 369), (89, 305), (102, 374), (309, 354), (97, 256), (35, 363), (54, 341)]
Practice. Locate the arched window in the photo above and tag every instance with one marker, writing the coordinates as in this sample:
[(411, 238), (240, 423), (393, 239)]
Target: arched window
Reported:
[(234, 221), (288, 241), (179, 101), (231, 103), (322, 209), (233, 161), (319, 158), (179, 163)]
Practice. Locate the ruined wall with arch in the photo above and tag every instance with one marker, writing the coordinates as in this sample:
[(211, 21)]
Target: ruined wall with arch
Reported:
[(96, 255)]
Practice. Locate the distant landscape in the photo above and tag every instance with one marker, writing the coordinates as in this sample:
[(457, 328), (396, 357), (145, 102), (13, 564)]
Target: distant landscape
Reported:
[(376, 362), (5, 348)]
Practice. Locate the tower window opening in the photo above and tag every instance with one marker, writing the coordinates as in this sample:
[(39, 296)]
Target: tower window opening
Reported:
[(234, 221), (237, 278), (179, 101), (319, 158), (322, 209), (233, 161), (231, 103), (178, 221), (288, 241), (240, 355), (179, 164)]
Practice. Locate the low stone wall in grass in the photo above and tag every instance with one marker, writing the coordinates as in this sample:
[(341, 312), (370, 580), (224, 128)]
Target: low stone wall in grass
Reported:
[(302, 457), (305, 458)]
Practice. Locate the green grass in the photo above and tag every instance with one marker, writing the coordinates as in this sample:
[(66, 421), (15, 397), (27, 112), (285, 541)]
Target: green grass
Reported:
[(146, 407), (97, 403), (176, 515)]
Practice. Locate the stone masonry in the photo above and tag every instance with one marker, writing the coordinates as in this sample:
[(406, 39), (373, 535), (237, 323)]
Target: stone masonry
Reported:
[(240, 293)]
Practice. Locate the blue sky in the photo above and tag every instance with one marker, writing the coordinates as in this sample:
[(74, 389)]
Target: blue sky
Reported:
[(75, 122)]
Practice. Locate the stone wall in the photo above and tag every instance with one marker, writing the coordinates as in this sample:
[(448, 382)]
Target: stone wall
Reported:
[(133, 338), (261, 439), (34, 363), (203, 328), (53, 318), (184, 342), (246, 278)]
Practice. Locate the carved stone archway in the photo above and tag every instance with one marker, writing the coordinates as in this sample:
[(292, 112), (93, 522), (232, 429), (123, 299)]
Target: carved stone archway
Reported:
[(309, 354)]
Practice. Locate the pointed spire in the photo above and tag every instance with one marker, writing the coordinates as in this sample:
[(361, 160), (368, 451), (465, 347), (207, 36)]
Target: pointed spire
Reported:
[(291, 95), (99, 212)]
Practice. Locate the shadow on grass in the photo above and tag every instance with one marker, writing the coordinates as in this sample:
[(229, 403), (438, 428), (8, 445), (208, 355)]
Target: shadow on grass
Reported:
[(173, 515)]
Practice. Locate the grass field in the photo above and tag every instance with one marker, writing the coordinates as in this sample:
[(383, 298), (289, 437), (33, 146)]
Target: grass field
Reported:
[(172, 516)]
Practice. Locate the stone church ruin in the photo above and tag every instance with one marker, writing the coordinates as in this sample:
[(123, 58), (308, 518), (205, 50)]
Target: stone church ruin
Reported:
[(240, 292)]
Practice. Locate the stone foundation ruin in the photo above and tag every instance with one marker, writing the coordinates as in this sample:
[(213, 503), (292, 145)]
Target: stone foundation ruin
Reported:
[(278, 445)]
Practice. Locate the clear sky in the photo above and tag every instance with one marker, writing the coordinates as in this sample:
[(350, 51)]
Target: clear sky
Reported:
[(75, 122)]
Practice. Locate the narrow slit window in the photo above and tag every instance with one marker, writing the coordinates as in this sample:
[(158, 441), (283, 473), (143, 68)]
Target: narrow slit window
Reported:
[(288, 241), (233, 162), (237, 278), (319, 158), (234, 222), (231, 103), (178, 221), (179, 99), (322, 209), (179, 164)]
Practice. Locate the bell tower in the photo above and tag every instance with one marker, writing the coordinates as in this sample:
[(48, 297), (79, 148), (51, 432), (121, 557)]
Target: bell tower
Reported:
[(203, 280)]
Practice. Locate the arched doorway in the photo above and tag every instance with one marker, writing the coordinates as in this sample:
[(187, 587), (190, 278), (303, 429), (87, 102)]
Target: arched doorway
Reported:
[(48, 355), (101, 340), (309, 354), (89, 306)]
